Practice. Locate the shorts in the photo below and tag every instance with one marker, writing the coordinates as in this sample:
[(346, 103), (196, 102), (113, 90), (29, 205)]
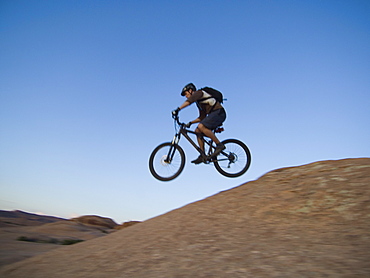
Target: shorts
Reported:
[(214, 119)]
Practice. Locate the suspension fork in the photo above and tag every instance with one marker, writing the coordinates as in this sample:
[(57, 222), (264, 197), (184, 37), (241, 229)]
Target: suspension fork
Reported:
[(172, 149)]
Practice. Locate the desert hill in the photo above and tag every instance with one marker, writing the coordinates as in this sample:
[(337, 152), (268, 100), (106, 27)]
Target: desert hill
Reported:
[(24, 235), (22, 218), (306, 221)]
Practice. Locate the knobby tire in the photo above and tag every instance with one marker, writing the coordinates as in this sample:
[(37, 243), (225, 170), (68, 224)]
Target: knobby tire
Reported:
[(162, 170)]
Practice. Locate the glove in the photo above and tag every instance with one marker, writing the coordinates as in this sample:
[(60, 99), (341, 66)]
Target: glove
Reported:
[(188, 125), (175, 112)]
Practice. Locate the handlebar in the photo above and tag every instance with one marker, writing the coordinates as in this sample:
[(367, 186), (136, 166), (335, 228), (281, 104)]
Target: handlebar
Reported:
[(177, 120)]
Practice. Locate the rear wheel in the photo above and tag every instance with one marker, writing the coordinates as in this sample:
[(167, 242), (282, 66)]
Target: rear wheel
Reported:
[(234, 160), (167, 161)]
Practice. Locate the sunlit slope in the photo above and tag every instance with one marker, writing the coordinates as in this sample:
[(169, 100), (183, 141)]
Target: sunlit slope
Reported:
[(306, 221)]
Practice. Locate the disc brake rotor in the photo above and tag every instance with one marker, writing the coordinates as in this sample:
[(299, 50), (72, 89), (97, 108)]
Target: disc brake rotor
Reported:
[(163, 161)]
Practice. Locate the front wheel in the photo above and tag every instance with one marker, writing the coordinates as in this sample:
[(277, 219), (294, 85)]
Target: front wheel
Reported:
[(167, 161), (234, 160)]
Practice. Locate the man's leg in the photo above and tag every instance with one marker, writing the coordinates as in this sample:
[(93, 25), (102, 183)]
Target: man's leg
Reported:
[(209, 133), (200, 158), (200, 139)]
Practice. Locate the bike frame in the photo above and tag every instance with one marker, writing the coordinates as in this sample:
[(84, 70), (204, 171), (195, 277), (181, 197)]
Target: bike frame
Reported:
[(183, 131)]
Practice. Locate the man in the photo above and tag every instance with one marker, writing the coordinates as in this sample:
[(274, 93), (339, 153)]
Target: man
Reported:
[(211, 115)]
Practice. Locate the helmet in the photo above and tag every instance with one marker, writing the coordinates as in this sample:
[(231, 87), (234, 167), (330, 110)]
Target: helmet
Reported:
[(188, 87)]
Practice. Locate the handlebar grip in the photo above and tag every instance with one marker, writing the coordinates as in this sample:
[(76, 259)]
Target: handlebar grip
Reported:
[(176, 118)]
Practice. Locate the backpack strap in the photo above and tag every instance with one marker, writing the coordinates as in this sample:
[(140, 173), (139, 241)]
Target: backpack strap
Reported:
[(213, 106)]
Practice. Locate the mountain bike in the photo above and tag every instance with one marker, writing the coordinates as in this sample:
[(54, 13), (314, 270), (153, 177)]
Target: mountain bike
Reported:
[(167, 160)]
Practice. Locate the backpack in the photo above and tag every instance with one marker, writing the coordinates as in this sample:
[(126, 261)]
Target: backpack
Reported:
[(217, 95)]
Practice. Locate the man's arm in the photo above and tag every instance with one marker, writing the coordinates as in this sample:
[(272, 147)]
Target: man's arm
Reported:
[(202, 115), (195, 96), (185, 104)]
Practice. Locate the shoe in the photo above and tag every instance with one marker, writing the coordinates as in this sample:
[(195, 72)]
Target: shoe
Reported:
[(198, 160), (219, 148)]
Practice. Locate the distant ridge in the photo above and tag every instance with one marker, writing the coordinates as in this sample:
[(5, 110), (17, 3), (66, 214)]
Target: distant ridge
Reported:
[(306, 221), (22, 218)]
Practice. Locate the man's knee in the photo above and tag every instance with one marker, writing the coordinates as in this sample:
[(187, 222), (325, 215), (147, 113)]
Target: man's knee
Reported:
[(201, 127), (200, 130)]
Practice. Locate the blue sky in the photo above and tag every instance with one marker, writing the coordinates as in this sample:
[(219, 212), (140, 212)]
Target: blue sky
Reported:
[(87, 89)]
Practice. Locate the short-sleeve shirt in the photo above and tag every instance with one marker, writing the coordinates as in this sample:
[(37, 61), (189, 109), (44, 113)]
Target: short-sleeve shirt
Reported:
[(205, 107)]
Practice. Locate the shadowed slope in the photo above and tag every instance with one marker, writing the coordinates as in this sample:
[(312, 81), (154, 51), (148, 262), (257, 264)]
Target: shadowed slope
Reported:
[(307, 221)]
